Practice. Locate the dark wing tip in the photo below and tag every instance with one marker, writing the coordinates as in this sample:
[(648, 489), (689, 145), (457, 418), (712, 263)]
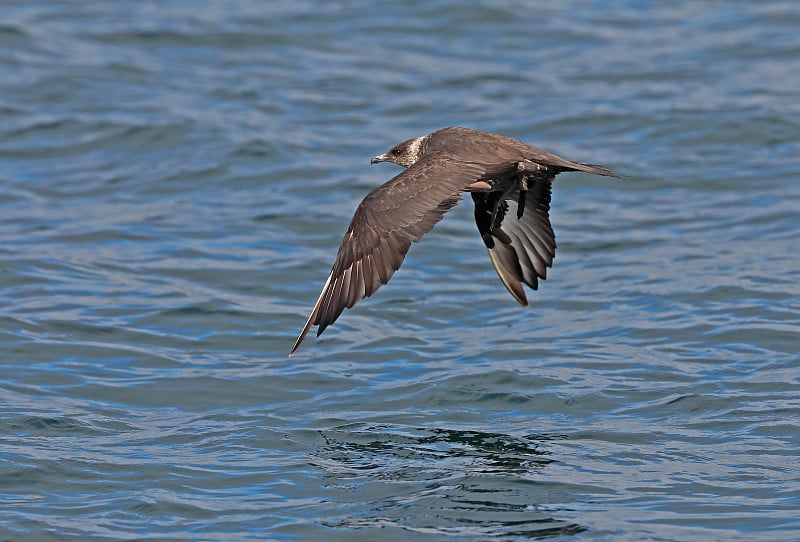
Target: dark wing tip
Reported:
[(312, 317), (505, 263)]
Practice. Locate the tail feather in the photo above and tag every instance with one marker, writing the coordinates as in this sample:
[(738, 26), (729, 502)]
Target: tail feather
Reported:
[(592, 168)]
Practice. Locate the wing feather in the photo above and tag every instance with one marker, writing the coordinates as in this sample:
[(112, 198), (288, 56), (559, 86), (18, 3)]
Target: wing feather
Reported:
[(384, 225), (521, 249)]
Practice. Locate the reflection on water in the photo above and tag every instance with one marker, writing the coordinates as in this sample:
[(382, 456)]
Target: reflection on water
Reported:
[(468, 483)]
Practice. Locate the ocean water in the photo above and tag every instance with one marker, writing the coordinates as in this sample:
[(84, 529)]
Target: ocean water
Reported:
[(175, 178)]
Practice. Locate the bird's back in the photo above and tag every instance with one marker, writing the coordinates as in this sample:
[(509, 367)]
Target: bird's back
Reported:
[(497, 151)]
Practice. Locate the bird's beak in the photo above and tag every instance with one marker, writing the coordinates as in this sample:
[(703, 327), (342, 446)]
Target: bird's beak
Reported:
[(379, 158)]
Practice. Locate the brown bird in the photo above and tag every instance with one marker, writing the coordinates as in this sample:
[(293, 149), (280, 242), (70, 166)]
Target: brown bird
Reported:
[(509, 182)]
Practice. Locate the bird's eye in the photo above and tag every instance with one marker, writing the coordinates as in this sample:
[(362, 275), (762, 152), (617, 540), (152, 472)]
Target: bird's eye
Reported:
[(396, 152)]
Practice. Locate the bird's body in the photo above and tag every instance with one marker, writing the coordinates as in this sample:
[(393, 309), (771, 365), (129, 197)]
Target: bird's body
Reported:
[(510, 184)]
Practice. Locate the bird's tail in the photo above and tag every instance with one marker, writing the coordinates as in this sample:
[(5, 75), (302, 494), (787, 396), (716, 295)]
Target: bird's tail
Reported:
[(592, 168)]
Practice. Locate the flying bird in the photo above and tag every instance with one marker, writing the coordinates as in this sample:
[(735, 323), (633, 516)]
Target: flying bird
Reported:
[(509, 182)]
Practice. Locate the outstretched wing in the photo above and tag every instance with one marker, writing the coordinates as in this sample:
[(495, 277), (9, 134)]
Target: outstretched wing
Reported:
[(386, 222), (521, 248)]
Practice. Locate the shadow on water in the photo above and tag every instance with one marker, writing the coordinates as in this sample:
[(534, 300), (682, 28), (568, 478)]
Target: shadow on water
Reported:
[(440, 481)]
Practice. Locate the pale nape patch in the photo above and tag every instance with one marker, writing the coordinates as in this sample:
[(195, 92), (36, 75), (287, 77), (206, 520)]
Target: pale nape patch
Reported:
[(415, 148)]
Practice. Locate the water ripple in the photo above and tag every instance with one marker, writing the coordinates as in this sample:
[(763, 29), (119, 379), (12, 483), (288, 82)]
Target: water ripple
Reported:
[(176, 177)]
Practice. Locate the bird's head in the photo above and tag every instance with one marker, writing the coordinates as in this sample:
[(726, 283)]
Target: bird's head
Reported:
[(404, 154)]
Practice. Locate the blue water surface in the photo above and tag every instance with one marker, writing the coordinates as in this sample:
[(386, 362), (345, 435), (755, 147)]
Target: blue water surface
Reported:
[(175, 178)]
